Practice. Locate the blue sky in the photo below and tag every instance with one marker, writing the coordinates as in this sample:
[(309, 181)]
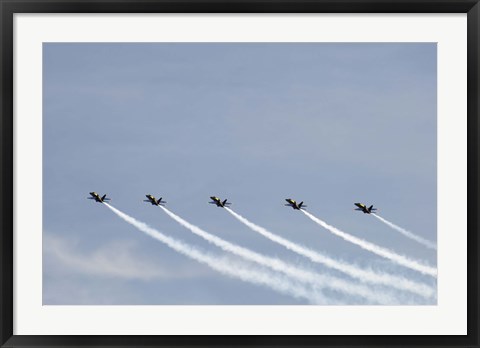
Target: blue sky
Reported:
[(329, 124)]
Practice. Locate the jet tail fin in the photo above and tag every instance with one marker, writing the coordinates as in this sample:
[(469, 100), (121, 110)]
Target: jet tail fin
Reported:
[(159, 200), (224, 202), (103, 197), (300, 205), (370, 209)]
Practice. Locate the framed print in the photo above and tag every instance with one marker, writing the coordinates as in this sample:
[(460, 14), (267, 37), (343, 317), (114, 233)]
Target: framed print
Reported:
[(239, 173)]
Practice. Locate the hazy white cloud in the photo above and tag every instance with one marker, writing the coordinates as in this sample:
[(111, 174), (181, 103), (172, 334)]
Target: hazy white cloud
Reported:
[(119, 259)]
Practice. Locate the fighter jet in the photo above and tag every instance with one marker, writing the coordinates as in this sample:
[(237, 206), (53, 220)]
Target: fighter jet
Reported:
[(218, 202), (363, 207), (154, 201), (294, 205), (97, 197)]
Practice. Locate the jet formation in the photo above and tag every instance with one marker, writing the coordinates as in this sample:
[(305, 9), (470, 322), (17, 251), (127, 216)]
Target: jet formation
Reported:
[(222, 204)]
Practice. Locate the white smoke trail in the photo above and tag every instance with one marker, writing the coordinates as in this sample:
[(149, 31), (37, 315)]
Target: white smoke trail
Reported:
[(386, 253), (320, 281), (406, 233), (248, 275), (353, 271)]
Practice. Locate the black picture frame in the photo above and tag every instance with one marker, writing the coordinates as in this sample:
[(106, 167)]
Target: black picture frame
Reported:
[(10, 7)]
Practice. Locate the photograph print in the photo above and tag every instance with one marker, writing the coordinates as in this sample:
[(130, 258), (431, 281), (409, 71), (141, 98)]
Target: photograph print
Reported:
[(239, 174)]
